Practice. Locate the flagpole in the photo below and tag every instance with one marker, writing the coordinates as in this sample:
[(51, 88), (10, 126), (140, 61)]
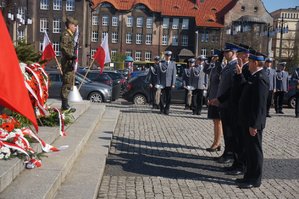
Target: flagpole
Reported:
[(86, 73), (59, 68)]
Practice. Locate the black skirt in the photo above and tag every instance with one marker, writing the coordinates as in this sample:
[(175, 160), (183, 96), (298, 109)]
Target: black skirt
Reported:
[(213, 112)]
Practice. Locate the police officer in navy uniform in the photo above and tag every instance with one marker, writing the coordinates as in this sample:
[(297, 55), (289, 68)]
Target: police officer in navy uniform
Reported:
[(186, 80), (199, 80), (152, 80), (281, 86), (67, 61), (166, 76), (271, 75), (252, 117), (295, 77)]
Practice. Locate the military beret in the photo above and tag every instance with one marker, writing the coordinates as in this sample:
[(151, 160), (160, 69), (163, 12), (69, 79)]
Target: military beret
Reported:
[(157, 58), (201, 57), (71, 20), (256, 57), (191, 60), (168, 53)]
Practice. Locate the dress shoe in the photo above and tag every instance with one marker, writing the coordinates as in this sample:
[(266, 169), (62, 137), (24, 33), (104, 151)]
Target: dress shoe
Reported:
[(241, 181), (213, 149), (280, 112), (235, 172), (166, 112), (225, 160), (268, 115), (248, 185)]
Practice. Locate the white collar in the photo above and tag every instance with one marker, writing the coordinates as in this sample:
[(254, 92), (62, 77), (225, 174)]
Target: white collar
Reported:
[(257, 71), (233, 60)]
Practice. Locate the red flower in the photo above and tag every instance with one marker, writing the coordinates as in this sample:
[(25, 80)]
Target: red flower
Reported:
[(8, 126), (4, 116)]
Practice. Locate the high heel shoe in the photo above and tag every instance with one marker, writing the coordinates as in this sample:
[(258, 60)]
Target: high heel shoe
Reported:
[(211, 149)]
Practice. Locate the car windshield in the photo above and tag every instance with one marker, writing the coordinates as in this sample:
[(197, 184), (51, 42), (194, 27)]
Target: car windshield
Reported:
[(80, 78)]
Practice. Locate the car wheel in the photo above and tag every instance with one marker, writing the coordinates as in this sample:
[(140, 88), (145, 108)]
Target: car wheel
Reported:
[(139, 99), (292, 102), (95, 97)]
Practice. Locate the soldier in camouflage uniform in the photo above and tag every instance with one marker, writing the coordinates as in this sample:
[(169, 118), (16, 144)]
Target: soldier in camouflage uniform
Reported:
[(68, 57)]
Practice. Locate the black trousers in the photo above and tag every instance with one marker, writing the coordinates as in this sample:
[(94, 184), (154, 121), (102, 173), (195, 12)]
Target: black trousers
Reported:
[(152, 95), (278, 100), (186, 98), (225, 115), (197, 100), (297, 104), (254, 157), (238, 145), (269, 101), (165, 99)]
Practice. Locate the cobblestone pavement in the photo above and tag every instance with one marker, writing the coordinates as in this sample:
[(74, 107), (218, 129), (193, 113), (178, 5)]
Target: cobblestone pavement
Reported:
[(159, 156)]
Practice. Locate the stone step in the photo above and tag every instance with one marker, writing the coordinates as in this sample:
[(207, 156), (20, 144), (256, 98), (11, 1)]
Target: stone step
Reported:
[(43, 182), (11, 168), (85, 178)]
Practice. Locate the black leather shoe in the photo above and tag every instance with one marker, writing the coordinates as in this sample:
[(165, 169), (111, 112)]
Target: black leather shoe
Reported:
[(268, 115), (248, 185), (235, 172), (241, 181), (218, 148), (225, 160), (166, 112), (280, 112)]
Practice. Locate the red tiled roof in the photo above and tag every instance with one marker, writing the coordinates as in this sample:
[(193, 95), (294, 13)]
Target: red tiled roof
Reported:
[(208, 13)]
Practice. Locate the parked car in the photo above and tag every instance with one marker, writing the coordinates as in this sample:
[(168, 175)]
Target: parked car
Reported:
[(289, 97), (137, 91), (117, 78), (94, 91)]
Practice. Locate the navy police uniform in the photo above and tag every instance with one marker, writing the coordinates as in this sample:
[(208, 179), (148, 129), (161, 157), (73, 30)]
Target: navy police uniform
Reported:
[(281, 87)]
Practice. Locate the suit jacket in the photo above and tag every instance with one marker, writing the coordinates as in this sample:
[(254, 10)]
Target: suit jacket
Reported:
[(213, 71), (152, 75), (295, 77), (282, 81), (166, 74), (186, 76), (198, 79), (271, 75), (253, 101)]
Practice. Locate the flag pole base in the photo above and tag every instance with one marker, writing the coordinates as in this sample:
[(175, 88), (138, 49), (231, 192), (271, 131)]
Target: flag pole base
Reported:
[(74, 95)]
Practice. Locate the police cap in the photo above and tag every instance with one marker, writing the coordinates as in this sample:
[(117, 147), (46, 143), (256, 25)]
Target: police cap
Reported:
[(191, 60), (230, 47), (157, 58), (201, 57), (168, 53), (268, 60)]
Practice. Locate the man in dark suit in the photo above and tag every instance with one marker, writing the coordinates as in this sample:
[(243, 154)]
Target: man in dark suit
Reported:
[(186, 80), (152, 80), (252, 117), (166, 76)]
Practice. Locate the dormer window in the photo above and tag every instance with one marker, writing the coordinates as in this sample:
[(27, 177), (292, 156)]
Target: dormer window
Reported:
[(255, 9), (242, 8)]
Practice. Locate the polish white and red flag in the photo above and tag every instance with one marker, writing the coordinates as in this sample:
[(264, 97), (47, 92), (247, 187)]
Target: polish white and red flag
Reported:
[(48, 50), (102, 55), (76, 41)]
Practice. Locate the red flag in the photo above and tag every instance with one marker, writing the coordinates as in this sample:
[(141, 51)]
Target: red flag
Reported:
[(102, 55), (48, 50), (13, 93)]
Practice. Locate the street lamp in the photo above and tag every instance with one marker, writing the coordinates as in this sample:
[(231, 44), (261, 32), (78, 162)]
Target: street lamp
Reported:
[(196, 50)]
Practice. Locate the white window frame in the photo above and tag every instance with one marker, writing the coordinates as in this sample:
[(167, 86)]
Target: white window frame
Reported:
[(56, 26), (43, 25), (57, 4), (21, 34), (185, 40), (70, 5), (103, 35), (92, 52), (138, 56), (114, 37), (204, 36), (138, 38), (165, 40), (115, 21), (95, 20), (165, 23), (185, 24), (113, 53), (130, 21), (41, 46), (129, 53), (175, 23), (148, 56), (149, 23), (44, 4), (105, 20), (203, 51), (94, 36), (56, 47), (129, 38), (139, 22), (148, 39), (175, 40)]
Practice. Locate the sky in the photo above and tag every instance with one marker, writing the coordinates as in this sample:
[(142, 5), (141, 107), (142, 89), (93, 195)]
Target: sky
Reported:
[(272, 5)]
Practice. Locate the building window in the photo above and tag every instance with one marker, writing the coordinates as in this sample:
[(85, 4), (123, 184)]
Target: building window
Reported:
[(56, 46), (43, 25), (139, 22), (129, 53), (70, 5), (92, 52), (175, 40), (44, 4), (130, 21), (185, 40), (95, 36), (185, 24), (56, 26), (175, 23), (165, 23), (105, 21), (148, 56), (149, 22), (57, 4), (41, 46), (128, 38), (113, 53), (21, 34), (95, 20), (165, 40), (148, 39), (203, 51), (205, 36), (114, 21), (114, 37), (138, 38), (137, 56), (103, 35)]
